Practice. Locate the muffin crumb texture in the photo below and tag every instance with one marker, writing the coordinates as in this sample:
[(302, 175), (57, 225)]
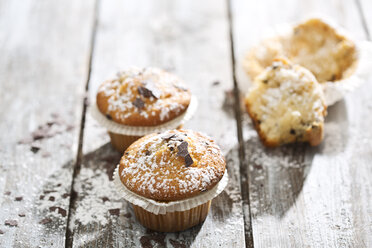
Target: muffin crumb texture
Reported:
[(143, 97), (287, 105), (173, 165)]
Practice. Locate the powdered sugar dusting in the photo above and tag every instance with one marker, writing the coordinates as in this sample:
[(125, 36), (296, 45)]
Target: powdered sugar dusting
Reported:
[(97, 198), (153, 166), (123, 91)]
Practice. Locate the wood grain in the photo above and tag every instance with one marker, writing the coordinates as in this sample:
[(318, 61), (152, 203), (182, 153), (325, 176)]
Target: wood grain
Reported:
[(43, 68), (189, 38), (302, 196)]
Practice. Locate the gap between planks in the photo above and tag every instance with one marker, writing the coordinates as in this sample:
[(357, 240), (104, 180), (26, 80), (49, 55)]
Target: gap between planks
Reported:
[(243, 167), (69, 235), (363, 18)]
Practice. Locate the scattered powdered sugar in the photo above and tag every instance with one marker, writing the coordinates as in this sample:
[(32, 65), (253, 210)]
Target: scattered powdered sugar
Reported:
[(98, 200)]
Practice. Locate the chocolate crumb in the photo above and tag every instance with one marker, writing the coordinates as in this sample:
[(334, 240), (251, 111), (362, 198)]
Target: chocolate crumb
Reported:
[(19, 198), (7, 193), (139, 103), (147, 153), (108, 117), (49, 191), (127, 215), (114, 211), (62, 212), (35, 149), (105, 199), (65, 195), (21, 214), (52, 198), (41, 197), (45, 221), (292, 131), (188, 160), (11, 223)]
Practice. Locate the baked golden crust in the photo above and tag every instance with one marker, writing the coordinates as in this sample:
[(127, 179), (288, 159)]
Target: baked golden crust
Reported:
[(158, 166), (286, 105), (314, 45), (143, 97)]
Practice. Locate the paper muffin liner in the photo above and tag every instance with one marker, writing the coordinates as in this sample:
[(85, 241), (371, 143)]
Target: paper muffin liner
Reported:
[(118, 128), (334, 91), (157, 207)]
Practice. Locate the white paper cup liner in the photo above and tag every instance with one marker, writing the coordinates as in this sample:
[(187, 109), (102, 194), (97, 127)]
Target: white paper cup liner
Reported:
[(156, 207), (337, 90), (115, 127)]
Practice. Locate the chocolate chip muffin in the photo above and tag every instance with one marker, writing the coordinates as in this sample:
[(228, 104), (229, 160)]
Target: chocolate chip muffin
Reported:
[(142, 98), (174, 166), (286, 105)]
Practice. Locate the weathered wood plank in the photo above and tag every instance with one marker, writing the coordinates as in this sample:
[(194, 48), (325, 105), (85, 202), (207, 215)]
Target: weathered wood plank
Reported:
[(302, 196), (43, 68), (190, 38)]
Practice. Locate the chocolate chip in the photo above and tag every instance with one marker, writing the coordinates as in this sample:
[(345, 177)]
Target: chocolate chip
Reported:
[(139, 103), (182, 149), (126, 153), (19, 198), (1, 232), (114, 211), (149, 89), (168, 136), (105, 199), (274, 67), (59, 185), (7, 193), (265, 81), (108, 117), (45, 221), (215, 83), (292, 131), (171, 149), (52, 198), (180, 87), (147, 153), (41, 197), (188, 160), (11, 223), (21, 214)]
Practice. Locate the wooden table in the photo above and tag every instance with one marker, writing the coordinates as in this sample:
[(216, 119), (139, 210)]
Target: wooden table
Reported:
[(56, 163)]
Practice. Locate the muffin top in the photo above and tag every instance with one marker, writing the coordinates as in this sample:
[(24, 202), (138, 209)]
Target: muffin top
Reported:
[(173, 165), (143, 97), (314, 45)]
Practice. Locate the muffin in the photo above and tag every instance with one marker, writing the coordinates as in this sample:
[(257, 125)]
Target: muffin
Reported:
[(314, 45), (170, 178), (139, 102), (286, 105)]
